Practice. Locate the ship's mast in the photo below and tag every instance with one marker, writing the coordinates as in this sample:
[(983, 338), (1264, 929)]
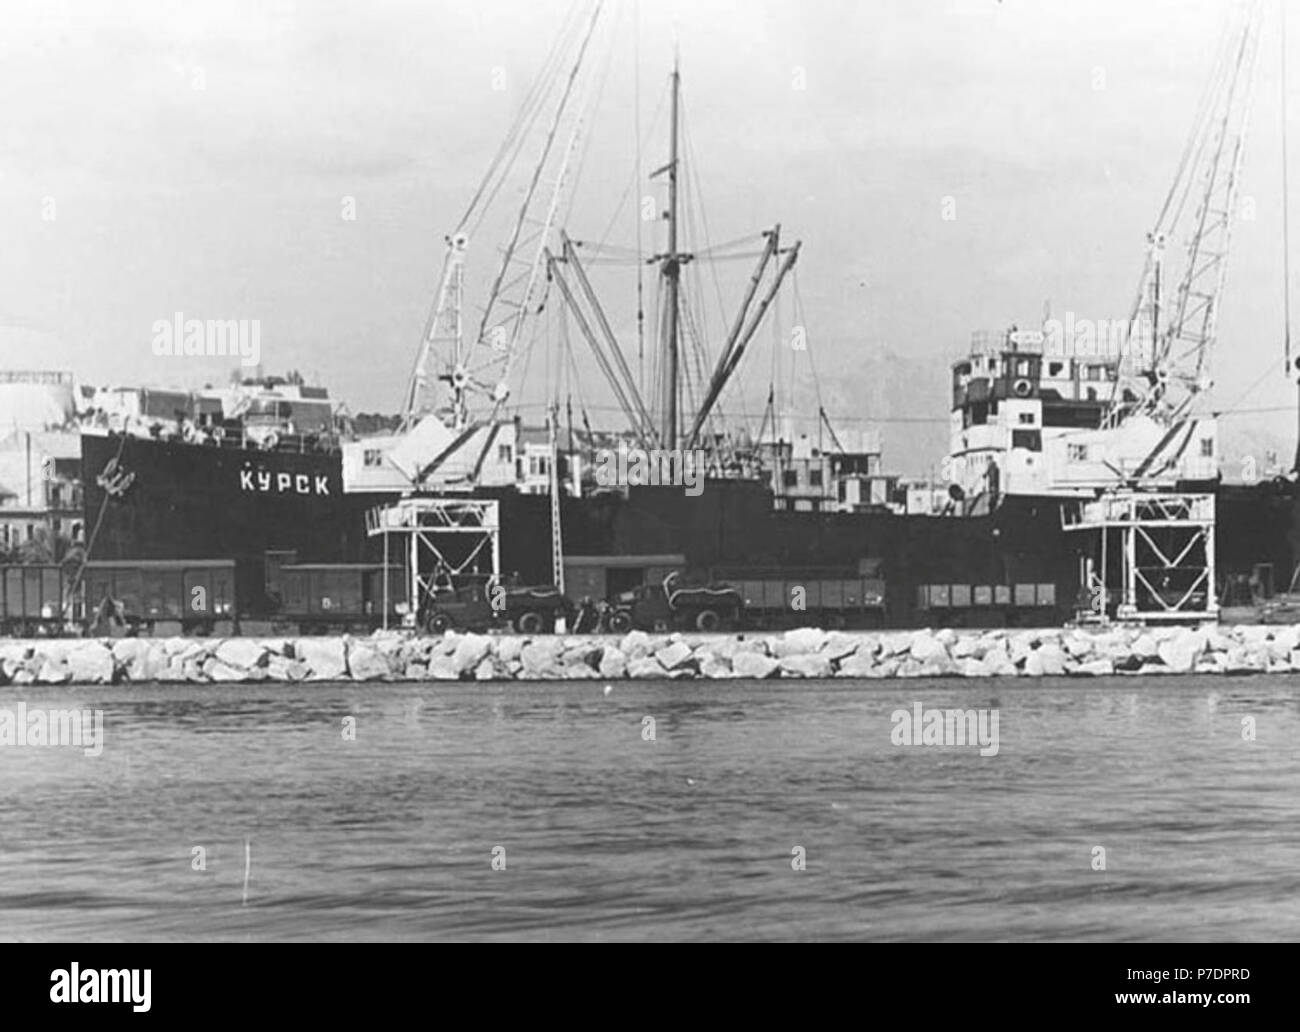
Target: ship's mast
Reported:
[(671, 271)]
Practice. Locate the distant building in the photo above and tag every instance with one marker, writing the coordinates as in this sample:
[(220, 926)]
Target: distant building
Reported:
[(35, 399), (40, 493), (824, 474)]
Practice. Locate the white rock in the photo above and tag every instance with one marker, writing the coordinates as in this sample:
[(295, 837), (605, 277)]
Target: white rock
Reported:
[(635, 644), (838, 645), (1179, 654), (1052, 659), (965, 647), (1253, 634), (442, 668), (896, 644), (645, 668), (224, 672), (241, 653), (366, 663), (148, 664), (1145, 647), (471, 650), (674, 655), (716, 669), (324, 657), (613, 664), (508, 648), (805, 666), (752, 665), (579, 672), (799, 642), (1237, 660), (1096, 668), (53, 673), (1079, 645), (126, 649), (926, 647), (538, 658), (281, 668), (727, 649), (585, 653), (1217, 640), (860, 664), (90, 663), (1286, 639)]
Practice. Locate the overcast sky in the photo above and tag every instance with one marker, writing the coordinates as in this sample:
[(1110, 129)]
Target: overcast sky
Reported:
[(194, 157)]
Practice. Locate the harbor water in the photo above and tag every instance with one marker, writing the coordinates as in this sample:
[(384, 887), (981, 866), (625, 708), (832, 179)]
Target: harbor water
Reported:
[(1112, 809)]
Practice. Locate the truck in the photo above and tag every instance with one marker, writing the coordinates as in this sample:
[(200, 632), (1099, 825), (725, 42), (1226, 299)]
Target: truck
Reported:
[(674, 605), (485, 605)]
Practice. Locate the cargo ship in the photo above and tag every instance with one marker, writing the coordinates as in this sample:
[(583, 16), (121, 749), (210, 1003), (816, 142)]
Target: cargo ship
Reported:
[(1081, 484)]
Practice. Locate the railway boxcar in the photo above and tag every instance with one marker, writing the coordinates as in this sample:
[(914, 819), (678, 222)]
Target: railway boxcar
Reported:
[(336, 597), (823, 597), (990, 605), (161, 596), (31, 599)]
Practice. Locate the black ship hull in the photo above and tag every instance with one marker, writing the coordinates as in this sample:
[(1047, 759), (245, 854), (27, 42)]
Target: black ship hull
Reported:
[(188, 501)]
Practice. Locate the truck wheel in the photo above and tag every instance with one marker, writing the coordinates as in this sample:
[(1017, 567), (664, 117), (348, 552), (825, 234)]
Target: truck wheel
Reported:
[(531, 622), (620, 621), (707, 620), (439, 623)]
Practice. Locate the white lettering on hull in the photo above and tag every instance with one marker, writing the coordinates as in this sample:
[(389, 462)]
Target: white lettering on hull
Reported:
[(264, 482)]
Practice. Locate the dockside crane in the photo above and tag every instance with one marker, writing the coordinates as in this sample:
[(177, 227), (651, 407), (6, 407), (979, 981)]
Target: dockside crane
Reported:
[(1164, 371), (1149, 532)]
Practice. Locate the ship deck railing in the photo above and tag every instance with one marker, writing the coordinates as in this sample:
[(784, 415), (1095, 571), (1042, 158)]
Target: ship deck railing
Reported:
[(300, 444)]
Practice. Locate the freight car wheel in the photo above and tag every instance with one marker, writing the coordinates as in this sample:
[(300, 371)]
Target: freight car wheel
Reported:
[(620, 621), (707, 620), (531, 622), (439, 623)]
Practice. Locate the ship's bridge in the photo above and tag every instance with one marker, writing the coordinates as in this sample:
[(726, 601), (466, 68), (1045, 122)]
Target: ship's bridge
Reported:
[(1016, 395)]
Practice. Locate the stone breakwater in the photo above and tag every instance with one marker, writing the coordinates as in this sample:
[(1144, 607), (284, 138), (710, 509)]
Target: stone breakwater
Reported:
[(801, 653)]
